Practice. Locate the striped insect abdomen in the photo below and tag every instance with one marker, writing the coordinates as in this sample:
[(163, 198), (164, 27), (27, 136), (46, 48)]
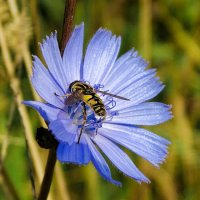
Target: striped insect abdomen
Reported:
[(87, 94), (94, 101)]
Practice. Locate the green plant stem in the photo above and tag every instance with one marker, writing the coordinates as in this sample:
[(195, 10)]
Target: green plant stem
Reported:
[(51, 161)]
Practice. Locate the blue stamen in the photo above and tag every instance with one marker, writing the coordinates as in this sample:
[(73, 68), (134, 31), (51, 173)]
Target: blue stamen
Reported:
[(93, 123), (114, 113), (111, 103), (98, 86)]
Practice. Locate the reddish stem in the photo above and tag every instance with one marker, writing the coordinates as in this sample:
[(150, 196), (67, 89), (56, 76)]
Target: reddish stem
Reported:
[(67, 29)]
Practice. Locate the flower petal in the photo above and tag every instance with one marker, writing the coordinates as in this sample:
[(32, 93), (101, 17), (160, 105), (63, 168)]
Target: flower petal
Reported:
[(51, 53), (45, 85), (64, 130), (144, 87), (100, 163), (47, 111), (100, 56), (72, 56), (144, 143), (125, 68), (119, 159), (138, 132), (148, 113), (74, 153)]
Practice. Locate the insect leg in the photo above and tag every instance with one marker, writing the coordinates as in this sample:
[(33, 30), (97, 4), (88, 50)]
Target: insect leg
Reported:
[(84, 121), (101, 119)]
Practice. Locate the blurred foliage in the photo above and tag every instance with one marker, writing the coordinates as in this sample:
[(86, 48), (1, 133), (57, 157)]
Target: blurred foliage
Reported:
[(165, 32)]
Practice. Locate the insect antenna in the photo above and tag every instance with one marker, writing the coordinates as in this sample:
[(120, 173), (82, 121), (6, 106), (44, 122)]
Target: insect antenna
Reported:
[(65, 95), (113, 95)]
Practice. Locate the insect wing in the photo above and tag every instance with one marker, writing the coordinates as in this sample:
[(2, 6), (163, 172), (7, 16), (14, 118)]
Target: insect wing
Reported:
[(113, 95), (73, 98)]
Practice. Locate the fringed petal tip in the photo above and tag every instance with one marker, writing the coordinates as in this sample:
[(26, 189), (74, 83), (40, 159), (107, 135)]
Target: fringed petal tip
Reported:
[(119, 184), (36, 61), (80, 25), (105, 30), (135, 55), (169, 106), (53, 35), (161, 161), (33, 56), (147, 181), (101, 29), (140, 180)]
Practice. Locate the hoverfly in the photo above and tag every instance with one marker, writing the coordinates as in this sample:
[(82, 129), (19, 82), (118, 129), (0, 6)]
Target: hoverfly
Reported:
[(80, 91)]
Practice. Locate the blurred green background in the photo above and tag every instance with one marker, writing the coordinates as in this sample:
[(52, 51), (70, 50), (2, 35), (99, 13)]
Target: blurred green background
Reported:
[(166, 33)]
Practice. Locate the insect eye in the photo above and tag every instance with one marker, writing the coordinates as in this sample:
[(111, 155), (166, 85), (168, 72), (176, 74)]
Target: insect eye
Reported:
[(73, 89)]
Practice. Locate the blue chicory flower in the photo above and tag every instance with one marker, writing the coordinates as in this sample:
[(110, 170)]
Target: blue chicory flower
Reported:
[(125, 76)]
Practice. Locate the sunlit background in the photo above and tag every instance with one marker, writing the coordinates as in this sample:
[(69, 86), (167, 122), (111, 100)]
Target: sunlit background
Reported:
[(166, 33)]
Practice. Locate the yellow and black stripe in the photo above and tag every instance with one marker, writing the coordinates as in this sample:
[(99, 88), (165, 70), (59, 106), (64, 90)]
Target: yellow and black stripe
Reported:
[(89, 97)]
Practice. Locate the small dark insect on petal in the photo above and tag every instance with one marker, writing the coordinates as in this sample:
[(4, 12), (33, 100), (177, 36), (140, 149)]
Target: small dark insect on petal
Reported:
[(45, 139)]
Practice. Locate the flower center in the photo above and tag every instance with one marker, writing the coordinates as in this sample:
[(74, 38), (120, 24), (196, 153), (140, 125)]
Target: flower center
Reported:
[(90, 107)]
